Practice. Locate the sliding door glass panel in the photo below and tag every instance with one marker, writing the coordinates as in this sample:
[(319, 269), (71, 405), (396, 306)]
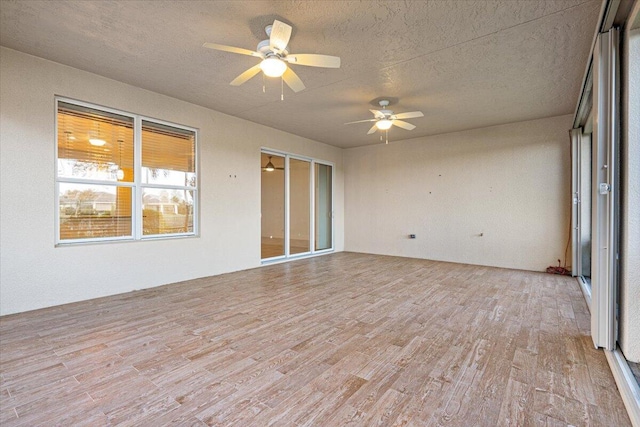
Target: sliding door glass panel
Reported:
[(585, 206), (575, 205), (299, 206), (273, 206), (323, 207)]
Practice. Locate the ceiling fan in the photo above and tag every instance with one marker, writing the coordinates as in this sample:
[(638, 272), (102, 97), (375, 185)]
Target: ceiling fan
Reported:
[(269, 167), (275, 56), (384, 119)]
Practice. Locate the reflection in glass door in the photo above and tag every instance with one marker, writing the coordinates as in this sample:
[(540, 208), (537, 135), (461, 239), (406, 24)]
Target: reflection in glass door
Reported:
[(582, 206), (585, 207), (273, 206), (324, 207), (299, 206)]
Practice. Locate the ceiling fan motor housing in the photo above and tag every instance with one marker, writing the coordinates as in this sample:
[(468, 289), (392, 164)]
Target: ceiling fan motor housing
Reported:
[(265, 47), (384, 103)]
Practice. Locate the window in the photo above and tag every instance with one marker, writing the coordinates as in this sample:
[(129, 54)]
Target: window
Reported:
[(121, 176), (168, 179)]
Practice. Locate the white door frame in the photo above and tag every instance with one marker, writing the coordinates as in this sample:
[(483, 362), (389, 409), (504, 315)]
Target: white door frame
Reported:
[(576, 258), (605, 191), (287, 202)]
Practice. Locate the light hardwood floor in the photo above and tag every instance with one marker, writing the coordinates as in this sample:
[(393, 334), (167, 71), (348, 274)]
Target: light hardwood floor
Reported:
[(342, 339), (275, 247)]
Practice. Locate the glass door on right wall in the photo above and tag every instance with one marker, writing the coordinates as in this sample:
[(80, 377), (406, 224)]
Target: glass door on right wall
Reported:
[(582, 207), (324, 209), (585, 206)]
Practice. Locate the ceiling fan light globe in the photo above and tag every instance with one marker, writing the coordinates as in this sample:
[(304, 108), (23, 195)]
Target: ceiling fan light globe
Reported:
[(384, 124), (269, 167), (273, 67)]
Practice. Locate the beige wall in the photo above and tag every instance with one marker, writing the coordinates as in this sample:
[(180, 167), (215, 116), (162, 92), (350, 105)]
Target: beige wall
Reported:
[(34, 273), (510, 183), (630, 209)]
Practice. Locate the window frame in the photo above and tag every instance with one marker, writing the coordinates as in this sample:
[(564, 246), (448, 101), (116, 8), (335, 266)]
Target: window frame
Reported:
[(137, 186)]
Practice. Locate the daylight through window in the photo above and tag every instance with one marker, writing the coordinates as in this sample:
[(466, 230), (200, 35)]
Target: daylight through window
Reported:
[(105, 192)]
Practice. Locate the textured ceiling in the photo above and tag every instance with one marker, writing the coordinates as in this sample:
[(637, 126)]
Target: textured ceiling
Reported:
[(465, 64)]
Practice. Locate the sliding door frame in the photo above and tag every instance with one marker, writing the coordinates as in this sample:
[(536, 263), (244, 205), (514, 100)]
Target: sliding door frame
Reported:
[(576, 205), (605, 146), (332, 216), (579, 205), (312, 211), (287, 198), (603, 76)]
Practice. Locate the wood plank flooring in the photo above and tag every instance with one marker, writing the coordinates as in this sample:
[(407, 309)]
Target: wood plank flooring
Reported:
[(343, 339), (275, 247)]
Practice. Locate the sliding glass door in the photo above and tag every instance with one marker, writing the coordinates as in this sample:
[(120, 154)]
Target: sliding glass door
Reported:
[(585, 206), (324, 232), (581, 218), (595, 187), (297, 206), (273, 202), (300, 206), (605, 191)]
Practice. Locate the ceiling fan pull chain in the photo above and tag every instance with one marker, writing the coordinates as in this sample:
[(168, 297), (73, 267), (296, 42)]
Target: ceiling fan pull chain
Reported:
[(386, 135), (264, 89), (281, 89)]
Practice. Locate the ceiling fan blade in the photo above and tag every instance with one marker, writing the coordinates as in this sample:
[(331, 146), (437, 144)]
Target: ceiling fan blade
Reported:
[(378, 114), (403, 125), (246, 75), (280, 35), (362, 121), (313, 60), (373, 129), (409, 115), (292, 80), (232, 49)]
